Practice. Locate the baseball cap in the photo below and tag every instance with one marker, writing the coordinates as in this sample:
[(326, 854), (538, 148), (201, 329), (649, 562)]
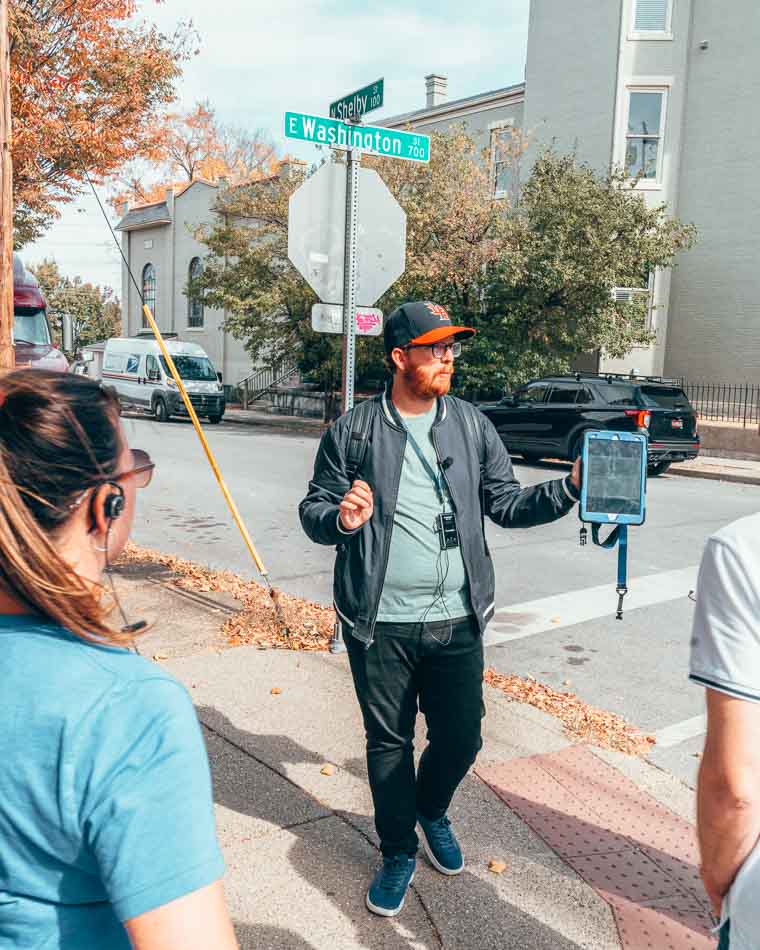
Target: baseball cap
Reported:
[(421, 322)]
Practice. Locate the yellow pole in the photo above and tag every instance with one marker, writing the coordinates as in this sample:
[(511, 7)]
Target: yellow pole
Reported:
[(206, 447)]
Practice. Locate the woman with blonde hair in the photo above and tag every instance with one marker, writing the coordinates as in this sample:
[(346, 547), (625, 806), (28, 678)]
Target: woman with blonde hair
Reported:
[(107, 837)]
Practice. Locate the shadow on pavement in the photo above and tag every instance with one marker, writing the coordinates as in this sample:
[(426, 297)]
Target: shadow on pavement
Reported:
[(334, 855), (262, 937)]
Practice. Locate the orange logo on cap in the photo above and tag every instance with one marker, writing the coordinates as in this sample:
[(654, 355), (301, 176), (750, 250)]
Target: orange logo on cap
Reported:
[(438, 311)]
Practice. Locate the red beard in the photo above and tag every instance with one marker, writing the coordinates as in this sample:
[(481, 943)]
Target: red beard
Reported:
[(427, 382)]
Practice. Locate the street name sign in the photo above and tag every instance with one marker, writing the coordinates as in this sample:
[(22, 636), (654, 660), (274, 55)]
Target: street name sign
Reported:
[(358, 103), (328, 318), (317, 235), (390, 143)]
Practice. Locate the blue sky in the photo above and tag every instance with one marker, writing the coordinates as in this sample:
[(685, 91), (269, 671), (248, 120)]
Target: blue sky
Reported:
[(258, 59)]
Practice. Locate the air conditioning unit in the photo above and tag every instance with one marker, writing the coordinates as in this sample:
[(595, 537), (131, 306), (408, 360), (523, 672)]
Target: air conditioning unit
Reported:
[(626, 294)]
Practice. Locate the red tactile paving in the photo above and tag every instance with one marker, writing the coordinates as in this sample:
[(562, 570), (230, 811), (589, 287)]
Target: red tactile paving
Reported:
[(638, 855)]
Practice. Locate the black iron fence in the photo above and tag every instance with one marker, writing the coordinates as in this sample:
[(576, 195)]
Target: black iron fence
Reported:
[(725, 402)]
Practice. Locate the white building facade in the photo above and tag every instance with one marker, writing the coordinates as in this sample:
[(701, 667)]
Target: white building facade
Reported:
[(159, 243)]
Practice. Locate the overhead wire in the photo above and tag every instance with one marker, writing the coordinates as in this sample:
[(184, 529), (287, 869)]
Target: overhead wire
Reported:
[(260, 566)]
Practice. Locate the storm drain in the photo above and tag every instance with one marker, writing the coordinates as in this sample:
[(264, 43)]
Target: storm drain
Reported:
[(639, 856)]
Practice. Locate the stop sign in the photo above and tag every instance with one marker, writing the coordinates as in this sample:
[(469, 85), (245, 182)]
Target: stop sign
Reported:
[(316, 234)]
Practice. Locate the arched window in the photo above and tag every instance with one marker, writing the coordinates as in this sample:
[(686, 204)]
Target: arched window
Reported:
[(194, 305), (149, 290)]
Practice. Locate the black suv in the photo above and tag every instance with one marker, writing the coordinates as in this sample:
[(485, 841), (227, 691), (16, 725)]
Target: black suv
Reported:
[(547, 417)]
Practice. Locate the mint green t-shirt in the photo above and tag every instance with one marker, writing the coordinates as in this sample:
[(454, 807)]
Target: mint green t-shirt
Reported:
[(422, 582)]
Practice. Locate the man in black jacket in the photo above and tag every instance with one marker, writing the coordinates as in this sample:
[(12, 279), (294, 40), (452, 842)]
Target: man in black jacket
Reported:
[(414, 581)]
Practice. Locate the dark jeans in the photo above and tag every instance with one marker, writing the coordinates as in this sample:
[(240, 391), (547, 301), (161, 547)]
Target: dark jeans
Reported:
[(439, 666), (724, 935)]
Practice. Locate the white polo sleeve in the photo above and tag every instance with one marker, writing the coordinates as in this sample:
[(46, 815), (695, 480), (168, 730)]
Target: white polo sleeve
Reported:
[(725, 642)]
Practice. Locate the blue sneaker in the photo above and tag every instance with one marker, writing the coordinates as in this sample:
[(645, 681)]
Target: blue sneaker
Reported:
[(441, 845), (387, 892)]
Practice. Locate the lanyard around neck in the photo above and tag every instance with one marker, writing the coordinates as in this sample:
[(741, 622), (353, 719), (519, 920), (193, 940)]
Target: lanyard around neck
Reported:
[(435, 477)]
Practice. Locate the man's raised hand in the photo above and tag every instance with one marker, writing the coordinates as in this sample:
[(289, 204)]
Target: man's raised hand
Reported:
[(357, 506)]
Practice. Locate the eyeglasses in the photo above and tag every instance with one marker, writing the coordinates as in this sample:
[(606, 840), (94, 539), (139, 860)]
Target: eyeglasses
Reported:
[(439, 350), (142, 470)]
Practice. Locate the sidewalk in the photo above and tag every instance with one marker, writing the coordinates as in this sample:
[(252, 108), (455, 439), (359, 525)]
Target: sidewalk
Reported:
[(719, 469), (257, 417), (596, 847), (744, 471)]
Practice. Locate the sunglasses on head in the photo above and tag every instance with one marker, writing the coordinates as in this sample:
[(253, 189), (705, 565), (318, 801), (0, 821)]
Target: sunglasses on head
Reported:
[(142, 469)]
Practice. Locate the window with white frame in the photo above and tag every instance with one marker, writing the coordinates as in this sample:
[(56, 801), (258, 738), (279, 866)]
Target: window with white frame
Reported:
[(502, 160), (149, 291), (652, 17), (194, 304), (629, 294), (643, 145)]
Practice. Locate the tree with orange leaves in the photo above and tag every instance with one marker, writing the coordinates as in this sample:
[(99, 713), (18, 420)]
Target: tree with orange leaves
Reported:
[(196, 145), (89, 85)]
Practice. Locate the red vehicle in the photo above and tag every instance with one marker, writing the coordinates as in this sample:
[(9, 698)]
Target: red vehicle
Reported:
[(33, 342)]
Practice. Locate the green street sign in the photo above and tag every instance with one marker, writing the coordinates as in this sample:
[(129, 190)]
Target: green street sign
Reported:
[(358, 103), (390, 143)]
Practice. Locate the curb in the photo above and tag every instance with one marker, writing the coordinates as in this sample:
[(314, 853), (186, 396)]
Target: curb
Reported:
[(716, 476), (297, 424)]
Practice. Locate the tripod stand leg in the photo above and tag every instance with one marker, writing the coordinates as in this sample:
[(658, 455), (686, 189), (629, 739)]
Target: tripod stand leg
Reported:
[(336, 644)]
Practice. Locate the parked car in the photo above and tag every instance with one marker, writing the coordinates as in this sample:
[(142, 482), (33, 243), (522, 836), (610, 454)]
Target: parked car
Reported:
[(547, 417), (32, 339), (137, 372)]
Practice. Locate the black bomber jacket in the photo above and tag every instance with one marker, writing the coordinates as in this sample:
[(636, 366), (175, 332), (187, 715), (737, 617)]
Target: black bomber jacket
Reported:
[(480, 481)]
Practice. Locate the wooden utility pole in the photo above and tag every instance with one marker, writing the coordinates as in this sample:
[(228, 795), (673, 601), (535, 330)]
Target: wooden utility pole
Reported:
[(6, 200)]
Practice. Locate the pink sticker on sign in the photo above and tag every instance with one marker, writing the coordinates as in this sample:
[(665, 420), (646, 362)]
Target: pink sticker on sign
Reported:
[(366, 321)]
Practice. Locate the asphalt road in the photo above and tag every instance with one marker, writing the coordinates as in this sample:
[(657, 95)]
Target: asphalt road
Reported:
[(555, 600)]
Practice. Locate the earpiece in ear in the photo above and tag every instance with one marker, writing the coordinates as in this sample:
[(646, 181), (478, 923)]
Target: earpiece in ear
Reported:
[(113, 504)]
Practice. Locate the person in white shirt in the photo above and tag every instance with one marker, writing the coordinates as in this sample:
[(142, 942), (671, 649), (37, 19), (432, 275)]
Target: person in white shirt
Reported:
[(725, 659)]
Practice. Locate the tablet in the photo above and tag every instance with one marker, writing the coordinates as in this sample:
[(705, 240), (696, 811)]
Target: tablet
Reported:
[(614, 478)]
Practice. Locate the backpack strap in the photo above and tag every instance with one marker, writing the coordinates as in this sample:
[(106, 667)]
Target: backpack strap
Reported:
[(475, 432), (358, 440)]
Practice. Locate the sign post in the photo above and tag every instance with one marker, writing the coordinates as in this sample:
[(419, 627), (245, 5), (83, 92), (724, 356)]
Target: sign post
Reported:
[(349, 278), (311, 249)]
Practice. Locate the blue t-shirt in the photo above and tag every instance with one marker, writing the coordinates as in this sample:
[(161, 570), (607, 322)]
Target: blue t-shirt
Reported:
[(105, 793)]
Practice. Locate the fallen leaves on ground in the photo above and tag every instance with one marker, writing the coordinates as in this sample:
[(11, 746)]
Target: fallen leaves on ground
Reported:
[(302, 625), (327, 770), (310, 626), (275, 691), (580, 720), (497, 867)]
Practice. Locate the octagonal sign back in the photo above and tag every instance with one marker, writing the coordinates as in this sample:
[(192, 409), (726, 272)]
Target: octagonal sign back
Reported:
[(316, 234)]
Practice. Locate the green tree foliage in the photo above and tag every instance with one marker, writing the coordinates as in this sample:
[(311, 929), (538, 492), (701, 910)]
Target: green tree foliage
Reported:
[(94, 310), (534, 276)]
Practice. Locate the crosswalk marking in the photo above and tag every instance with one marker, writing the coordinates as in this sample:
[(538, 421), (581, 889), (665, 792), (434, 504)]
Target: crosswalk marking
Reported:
[(680, 731), (579, 606)]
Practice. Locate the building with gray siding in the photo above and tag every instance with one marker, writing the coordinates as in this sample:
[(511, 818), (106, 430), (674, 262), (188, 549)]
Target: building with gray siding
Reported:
[(670, 87)]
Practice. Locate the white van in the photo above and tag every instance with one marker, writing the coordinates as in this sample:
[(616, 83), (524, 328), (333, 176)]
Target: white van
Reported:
[(135, 369)]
